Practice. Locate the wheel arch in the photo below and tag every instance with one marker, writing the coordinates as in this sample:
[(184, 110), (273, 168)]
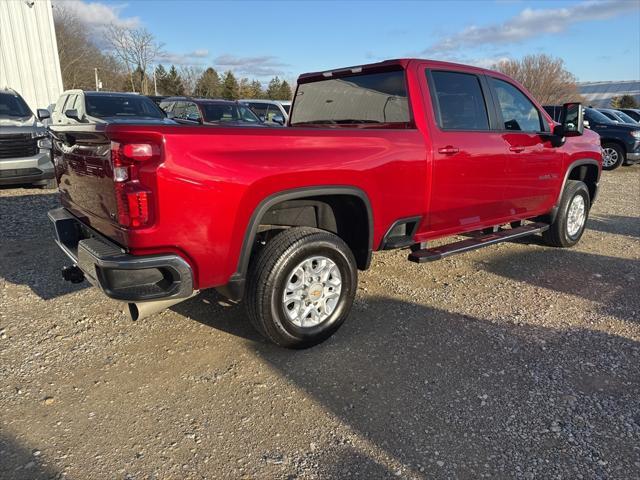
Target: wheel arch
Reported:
[(586, 170), (615, 141), (332, 196)]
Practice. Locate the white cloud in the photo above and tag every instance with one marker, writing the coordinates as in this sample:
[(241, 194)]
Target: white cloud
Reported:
[(259, 66), (197, 57), (97, 14), (532, 23)]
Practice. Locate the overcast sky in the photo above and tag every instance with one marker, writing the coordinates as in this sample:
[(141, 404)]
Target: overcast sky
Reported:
[(599, 40)]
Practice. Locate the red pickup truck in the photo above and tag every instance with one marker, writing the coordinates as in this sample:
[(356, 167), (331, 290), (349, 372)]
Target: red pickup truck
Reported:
[(387, 155)]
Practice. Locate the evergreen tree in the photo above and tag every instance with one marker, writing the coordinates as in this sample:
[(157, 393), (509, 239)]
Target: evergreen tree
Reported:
[(208, 85), (230, 87), (255, 90), (161, 77), (285, 91), (624, 101), (244, 88), (172, 83), (273, 90)]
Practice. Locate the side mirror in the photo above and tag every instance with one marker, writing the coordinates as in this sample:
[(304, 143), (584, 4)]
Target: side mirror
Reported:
[(43, 114), (279, 119), (262, 118), (571, 120), (73, 114)]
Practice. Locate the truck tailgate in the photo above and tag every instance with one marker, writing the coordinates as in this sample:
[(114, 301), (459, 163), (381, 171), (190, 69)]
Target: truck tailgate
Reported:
[(82, 159)]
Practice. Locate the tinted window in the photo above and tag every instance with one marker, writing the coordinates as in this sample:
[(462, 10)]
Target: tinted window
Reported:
[(259, 108), (460, 101), (610, 116), (12, 105), (228, 112), (518, 113), (372, 98), (192, 112), (286, 108), (594, 116), (179, 109), (272, 111), (166, 106), (121, 106)]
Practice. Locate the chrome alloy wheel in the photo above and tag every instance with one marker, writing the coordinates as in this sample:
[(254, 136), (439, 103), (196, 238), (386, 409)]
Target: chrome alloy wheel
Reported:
[(609, 157), (576, 216), (312, 291)]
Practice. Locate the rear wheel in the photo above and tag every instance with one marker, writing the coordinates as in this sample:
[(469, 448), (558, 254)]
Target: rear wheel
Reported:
[(573, 211), (612, 156), (301, 286)]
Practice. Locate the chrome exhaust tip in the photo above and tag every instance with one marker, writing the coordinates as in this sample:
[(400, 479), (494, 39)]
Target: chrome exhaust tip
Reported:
[(141, 310)]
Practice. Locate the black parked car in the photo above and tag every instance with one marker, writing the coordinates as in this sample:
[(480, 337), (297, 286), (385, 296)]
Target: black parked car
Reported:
[(632, 112), (197, 111), (620, 141), (617, 116)]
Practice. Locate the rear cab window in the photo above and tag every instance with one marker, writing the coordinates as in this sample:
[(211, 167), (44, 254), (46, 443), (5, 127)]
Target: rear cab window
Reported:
[(365, 100)]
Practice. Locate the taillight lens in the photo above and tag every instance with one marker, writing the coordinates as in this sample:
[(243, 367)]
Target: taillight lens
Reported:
[(133, 199)]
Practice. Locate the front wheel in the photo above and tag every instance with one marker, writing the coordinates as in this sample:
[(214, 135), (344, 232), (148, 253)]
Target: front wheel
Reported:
[(612, 156), (571, 219), (301, 286)]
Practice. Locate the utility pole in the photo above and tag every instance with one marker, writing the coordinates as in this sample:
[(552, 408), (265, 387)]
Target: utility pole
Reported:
[(155, 85), (95, 70)]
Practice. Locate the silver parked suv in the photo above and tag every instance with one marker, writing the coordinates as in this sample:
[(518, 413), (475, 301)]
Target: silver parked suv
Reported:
[(25, 146)]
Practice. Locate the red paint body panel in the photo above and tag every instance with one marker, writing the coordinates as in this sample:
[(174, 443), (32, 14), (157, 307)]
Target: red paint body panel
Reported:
[(210, 180)]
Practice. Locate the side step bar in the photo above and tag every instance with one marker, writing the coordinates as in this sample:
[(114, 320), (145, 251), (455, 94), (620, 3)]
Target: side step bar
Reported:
[(436, 253)]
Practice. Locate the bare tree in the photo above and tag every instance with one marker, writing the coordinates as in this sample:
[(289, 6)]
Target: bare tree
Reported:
[(136, 49), (190, 75), (79, 55), (544, 76)]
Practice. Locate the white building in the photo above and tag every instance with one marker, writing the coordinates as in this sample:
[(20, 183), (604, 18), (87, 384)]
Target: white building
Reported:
[(599, 94), (29, 60)]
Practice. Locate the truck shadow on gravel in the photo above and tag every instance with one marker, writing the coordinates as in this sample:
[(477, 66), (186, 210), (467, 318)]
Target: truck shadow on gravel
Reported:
[(616, 224), (28, 254), (19, 463), (608, 281), (457, 396)]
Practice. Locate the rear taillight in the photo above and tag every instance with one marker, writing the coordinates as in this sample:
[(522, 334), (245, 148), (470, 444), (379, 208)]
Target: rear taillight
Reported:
[(133, 199)]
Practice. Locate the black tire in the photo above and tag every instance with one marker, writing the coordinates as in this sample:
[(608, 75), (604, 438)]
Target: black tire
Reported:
[(558, 234), (269, 272), (616, 150)]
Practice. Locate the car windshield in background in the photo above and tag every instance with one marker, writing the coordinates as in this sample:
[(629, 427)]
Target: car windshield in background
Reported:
[(625, 118), (378, 99), (224, 112), (592, 115), (13, 106), (286, 108), (103, 106)]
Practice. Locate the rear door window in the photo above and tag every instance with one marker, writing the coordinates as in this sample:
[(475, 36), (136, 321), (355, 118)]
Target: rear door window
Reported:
[(459, 101), (518, 112)]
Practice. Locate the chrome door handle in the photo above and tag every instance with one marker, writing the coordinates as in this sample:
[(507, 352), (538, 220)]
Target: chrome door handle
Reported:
[(448, 150)]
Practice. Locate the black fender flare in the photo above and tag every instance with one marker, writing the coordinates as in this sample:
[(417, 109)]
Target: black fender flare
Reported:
[(585, 161), (234, 289)]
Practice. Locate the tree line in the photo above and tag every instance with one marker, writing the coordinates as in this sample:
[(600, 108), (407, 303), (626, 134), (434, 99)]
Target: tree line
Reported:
[(130, 59), (211, 84)]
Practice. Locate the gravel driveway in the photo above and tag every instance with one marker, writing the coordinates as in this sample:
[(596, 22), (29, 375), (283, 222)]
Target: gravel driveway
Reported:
[(514, 361)]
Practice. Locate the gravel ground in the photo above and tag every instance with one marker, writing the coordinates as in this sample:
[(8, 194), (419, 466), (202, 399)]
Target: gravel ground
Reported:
[(514, 361)]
